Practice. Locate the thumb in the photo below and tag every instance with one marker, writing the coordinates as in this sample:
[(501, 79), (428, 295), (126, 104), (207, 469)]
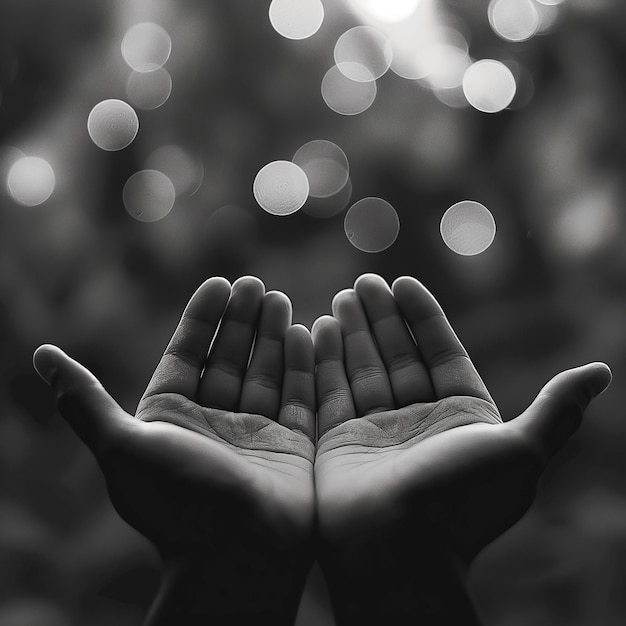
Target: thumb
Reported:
[(556, 413), (82, 401)]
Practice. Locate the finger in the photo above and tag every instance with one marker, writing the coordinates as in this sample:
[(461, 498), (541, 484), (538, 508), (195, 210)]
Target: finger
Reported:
[(556, 413), (451, 370), (82, 401), (181, 365), (221, 382), (366, 371), (297, 407), (262, 386), (408, 375), (334, 396)]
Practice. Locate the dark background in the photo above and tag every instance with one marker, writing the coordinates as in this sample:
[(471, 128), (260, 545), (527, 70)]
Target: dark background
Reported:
[(80, 272)]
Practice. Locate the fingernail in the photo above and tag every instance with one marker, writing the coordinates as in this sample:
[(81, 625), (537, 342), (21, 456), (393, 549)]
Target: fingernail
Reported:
[(43, 362)]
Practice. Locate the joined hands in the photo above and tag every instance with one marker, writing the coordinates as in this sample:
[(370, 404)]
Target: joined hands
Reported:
[(412, 472)]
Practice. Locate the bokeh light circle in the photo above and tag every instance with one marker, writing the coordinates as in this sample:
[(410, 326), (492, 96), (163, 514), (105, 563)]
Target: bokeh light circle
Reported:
[(30, 181), (429, 55), (489, 86), (184, 170), (148, 195), (112, 124), (371, 224), (468, 228), (146, 47), (345, 96), (325, 165), (149, 91), (443, 65), (281, 187), (513, 20), (363, 53), (296, 19)]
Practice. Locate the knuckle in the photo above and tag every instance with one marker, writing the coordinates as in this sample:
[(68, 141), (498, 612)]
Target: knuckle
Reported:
[(260, 379), (187, 355), (445, 355), (366, 374)]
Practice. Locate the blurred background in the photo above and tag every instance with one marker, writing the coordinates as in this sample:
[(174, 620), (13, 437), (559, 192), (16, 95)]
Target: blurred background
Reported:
[(146, 145)]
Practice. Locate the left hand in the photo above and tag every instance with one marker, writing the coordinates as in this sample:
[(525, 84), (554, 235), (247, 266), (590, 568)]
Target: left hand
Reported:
[(412, 450)]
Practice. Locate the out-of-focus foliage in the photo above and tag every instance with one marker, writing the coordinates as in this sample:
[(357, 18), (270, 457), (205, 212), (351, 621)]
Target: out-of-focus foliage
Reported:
[(78, 270)]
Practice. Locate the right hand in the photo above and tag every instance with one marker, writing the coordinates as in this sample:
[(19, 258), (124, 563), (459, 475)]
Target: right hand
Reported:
[(219, 457)]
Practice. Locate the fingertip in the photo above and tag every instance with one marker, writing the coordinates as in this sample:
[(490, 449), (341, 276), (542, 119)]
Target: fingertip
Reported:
[(414, 298), (369, 278), (299, 330), (212, 293), (45, 361), (250, 282), (298, 334), (299, 347), (215, 283), (217, 280), (280, 299), (321, 324), (341, 298), (602, 376), (402, 283)]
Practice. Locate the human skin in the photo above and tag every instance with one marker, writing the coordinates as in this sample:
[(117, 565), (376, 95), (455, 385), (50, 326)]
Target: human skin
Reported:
[(415, 470), (216, 467)]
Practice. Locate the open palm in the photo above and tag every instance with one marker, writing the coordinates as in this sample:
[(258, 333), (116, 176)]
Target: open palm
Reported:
[(220, 453), (412, 446)]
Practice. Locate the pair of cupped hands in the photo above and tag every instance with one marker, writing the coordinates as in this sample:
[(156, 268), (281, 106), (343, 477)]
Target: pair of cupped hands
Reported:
[(370, 444)]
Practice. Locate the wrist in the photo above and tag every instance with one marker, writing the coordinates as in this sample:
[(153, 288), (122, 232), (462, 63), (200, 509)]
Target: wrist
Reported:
[(238, 587), (381, 582)]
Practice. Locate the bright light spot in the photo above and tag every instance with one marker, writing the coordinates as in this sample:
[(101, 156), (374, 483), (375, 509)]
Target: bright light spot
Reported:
[(443, 66), (296, 19), (468, 228), (185, 171), (586, 223), (281, 187), (149, 91), (371, 225), (513, 20), (148, 195), (549, 2), (489, 86), (112, 124), (330, 206), (363, 53), (433, 55), (325, 165), (346, 96), (31, 181), (146, 47), (390, 11)]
